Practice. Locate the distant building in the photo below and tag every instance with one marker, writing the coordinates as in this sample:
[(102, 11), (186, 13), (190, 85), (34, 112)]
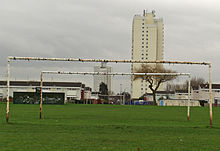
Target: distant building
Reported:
[(159, 95), (202, 94), (181, 94), (198, 96), (87, 93), (72, 90), (147, 44), (107, 79), (170, 98)]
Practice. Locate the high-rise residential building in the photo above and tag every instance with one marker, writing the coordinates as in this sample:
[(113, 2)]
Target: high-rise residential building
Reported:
[(147, 44), (107, 79)]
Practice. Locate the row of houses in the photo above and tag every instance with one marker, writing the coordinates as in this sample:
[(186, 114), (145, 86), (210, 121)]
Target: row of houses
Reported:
[(28, 92), (199, 96), (75, 91), (202, 94)]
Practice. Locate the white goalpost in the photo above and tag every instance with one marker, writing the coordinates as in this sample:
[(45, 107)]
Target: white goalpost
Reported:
[(114, 74), (10, 58)]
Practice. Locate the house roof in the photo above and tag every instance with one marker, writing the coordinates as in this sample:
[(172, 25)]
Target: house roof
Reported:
[(206, 86), (37, 83), (163, 92)]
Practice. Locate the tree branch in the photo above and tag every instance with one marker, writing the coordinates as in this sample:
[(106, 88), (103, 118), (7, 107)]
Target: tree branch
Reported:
[(158, 84)]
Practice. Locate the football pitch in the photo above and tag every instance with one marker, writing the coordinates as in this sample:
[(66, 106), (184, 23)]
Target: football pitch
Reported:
[(76, 127)]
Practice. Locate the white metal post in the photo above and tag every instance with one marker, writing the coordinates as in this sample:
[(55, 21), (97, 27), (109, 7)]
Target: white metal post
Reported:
[(210, 94), (188, 108), (124, 98), (8, 93), (41, 93)]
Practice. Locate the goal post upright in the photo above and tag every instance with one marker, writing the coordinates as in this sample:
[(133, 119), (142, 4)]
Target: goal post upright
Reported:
[(8, 91), (210, 93), (107, 60), (41, 93), (189, 93)]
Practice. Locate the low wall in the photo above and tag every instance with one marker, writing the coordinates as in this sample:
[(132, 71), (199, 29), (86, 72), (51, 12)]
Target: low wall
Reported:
[(178, 102)]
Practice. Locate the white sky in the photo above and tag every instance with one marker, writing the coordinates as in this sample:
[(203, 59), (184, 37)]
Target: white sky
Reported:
[(102, 29)]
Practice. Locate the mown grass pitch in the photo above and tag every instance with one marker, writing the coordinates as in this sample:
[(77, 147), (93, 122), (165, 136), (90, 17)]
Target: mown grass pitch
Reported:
[(107, 127)]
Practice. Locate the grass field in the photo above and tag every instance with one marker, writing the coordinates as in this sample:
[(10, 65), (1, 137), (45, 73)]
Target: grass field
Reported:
[(108, 127)]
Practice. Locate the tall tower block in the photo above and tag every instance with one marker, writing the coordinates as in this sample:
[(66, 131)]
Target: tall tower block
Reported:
[(147, 44)]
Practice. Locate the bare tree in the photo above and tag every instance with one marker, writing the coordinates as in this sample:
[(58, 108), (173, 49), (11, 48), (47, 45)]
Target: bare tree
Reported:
[(176, 86), (103, 88), (195, 83), (154, 81)]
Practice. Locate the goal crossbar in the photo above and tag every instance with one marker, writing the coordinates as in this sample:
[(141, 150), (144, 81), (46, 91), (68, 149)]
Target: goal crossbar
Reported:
[(104, 60), (114, 73)]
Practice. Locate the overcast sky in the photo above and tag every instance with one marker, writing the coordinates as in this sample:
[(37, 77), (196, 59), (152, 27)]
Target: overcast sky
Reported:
[(102, 29)]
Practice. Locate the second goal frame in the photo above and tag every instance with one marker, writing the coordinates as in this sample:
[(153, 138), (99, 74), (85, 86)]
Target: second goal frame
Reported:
[(114, 74)]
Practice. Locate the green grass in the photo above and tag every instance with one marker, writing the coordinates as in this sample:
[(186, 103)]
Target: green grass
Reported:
[(108, 127)]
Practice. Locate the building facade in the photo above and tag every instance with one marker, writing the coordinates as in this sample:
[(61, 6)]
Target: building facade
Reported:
[(107, 79), (147, 44), (72, 90), (202, 94)]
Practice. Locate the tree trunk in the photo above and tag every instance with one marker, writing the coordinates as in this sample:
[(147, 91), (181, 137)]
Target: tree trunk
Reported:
[(154, 97)]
